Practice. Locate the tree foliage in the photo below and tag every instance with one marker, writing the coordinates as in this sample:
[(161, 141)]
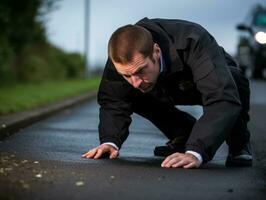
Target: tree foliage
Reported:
[(23, 43)]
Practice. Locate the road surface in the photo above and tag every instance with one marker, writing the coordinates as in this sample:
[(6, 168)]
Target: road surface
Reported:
[(44, 161)]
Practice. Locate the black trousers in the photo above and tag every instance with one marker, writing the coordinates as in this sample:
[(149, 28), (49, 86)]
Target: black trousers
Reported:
[(176, 123)]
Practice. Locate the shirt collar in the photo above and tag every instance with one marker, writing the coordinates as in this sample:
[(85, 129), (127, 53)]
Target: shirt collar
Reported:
[(161, 63)]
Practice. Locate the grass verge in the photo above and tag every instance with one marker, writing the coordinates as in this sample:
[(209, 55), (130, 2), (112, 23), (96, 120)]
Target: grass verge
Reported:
[(21, 97)]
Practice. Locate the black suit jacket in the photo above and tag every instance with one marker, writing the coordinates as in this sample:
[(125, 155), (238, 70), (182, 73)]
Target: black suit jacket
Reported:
[(196, 72)]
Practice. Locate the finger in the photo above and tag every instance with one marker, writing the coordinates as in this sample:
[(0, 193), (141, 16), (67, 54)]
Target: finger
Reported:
[(169, 162), (172, 156), (99, 153), (181, 163), (113, 154), (165, 162), (173, 161), (193, 164), (85, 154), (168, 158), (190, 165), (90, 153)]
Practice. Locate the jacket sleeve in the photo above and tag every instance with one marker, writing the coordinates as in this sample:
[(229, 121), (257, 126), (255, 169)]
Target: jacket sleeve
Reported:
[(220, 98), (115, 107)]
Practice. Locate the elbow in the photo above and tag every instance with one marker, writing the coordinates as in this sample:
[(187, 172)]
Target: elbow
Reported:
[(235, 110)]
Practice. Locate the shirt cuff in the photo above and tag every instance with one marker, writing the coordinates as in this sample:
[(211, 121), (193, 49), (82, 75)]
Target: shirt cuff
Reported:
[(197, 155), (112, 144)]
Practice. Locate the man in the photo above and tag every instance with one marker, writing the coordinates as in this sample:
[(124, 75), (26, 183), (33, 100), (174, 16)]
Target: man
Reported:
[(159, 63)]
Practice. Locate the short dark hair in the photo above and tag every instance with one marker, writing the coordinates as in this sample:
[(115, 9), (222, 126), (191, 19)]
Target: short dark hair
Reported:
[(127, 40)]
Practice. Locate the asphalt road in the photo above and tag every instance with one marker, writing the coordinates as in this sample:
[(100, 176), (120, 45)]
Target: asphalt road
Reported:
[(44, 161)]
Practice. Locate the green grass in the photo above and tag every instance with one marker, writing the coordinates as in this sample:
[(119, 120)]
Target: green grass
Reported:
[(21, 97)]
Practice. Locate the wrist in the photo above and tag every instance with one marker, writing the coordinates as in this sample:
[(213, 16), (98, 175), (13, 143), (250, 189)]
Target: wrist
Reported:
[(197, 156), (112, 144)]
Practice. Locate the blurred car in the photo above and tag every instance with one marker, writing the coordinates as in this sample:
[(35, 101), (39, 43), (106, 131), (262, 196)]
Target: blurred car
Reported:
[(251, 48)]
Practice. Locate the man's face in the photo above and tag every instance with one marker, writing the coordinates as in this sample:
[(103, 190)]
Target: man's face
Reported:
[(141, 73)]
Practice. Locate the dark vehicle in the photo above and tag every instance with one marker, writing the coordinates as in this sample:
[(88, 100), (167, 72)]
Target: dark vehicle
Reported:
[(251, 49)]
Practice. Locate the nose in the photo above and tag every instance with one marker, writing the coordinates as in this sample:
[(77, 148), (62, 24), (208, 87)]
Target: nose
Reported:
[(136, 81)]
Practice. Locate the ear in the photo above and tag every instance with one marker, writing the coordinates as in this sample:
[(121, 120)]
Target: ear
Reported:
[(156, 50)]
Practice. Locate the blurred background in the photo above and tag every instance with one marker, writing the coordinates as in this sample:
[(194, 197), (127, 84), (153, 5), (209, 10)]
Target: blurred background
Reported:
[(36, 32), (53, 40), (66, 25)]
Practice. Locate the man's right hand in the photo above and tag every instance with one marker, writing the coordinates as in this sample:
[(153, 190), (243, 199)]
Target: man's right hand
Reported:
[(98, 151)]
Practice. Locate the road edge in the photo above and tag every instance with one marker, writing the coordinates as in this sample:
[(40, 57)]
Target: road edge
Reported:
[(12, 123)]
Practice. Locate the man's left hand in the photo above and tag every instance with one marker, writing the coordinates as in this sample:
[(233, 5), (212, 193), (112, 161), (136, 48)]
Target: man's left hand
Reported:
[(185, 160)]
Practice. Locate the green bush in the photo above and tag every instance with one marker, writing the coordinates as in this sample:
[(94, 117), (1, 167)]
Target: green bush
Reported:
[(6, 73), (45, 62), (33, 69), (25, 53), (74, 65)]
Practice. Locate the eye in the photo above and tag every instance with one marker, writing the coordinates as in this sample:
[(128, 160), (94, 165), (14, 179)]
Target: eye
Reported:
[(126, 76), (140, 71)]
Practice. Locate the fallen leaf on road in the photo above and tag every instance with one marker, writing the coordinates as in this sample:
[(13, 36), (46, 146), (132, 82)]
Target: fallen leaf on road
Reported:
[(8, 169), (79, 183), (38, 175)]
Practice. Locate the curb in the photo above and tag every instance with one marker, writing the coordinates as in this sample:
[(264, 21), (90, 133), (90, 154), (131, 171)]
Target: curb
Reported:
[(12, 123)]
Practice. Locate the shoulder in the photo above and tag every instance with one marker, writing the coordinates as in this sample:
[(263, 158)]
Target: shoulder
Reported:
[(178, 30), (173, 25)]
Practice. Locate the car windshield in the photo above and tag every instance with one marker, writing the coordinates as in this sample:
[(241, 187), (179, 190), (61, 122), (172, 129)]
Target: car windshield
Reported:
[(260, 19)]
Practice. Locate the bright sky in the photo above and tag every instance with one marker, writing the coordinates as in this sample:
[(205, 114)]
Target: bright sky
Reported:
[(66, 24)]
